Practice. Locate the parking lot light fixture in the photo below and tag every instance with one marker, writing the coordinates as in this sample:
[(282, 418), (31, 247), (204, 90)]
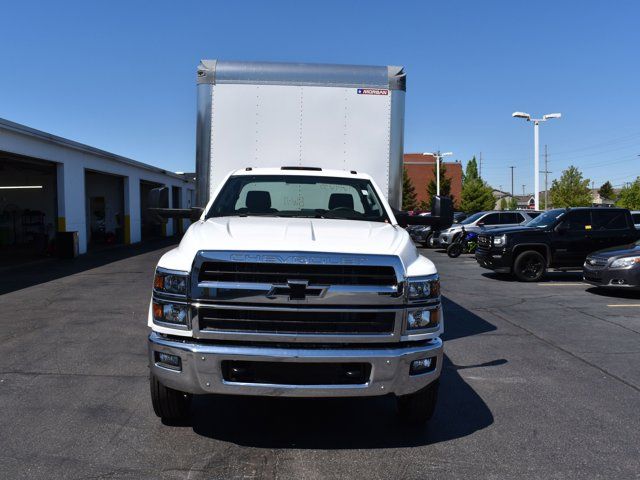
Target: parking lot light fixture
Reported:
[(438, 156), (536, 149)]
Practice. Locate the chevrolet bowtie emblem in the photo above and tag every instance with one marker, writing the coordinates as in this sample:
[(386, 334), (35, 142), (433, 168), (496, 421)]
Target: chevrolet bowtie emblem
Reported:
[(295, 290)]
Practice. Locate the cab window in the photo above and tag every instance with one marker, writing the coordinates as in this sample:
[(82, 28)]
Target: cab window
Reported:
[(491, 219), (577, 221), (609, 220), (510, 218)]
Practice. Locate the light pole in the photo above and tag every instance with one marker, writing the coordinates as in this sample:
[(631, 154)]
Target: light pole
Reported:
[(536, 148), (438, 157)]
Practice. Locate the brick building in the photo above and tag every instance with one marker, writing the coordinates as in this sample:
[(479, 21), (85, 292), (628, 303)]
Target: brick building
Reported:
[(421, 170)]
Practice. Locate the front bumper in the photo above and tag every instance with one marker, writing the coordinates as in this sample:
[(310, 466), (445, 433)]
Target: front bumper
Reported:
[(201, 371), (496, 260), (628, 278)]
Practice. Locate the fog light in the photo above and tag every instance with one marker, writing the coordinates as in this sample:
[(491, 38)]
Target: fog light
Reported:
[(422, 365), (169, 361)]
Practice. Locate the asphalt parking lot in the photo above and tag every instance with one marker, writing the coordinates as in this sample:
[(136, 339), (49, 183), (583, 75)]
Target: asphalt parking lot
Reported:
[(540, 381)]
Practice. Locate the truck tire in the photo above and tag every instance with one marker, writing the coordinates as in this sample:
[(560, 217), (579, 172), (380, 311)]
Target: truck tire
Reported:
[(431, 241), (530, 266), (417, 408), (168, 404)]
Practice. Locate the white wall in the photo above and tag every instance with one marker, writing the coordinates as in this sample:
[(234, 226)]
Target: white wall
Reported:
[(72, 163)]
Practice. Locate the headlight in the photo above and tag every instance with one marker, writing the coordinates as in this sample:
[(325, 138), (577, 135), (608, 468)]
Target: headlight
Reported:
[(625, 262), (422, 289), (422, 318), (499, 240), (170, 282), (171, 313)]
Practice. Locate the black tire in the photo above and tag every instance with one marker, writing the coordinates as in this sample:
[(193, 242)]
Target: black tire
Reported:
[(418, 408), (530, 266), (428, 242), (168, 404), (454, 250)]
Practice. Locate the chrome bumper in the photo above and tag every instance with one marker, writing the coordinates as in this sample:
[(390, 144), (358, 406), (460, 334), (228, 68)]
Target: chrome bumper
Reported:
[(202, 374)]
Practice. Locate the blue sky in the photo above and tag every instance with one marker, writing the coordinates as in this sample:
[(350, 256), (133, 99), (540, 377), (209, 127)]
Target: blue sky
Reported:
[(120, 75)]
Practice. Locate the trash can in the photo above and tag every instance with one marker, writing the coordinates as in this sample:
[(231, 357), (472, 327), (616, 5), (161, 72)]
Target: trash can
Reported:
[(67, 244)]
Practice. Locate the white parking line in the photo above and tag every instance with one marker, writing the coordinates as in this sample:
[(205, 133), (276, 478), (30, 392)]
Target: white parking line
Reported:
[(625, 305), (560, 284)]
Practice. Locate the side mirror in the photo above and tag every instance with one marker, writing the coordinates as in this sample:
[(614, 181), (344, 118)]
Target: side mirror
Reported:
[(480, 224), (196, 213)]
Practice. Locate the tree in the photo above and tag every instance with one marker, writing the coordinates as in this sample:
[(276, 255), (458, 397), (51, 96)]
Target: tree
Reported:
[(409, 197), (445, 184), (513, 203), (606, 191), (476, 196), (503, 204), (571, 190), (471, 170), (630, 196)]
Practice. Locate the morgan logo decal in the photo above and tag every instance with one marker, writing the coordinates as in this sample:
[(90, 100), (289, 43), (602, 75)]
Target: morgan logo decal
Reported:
[(372, 91)]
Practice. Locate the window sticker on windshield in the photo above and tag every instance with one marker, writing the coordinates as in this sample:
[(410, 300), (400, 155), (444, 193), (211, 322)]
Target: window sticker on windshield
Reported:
[(365, 193)]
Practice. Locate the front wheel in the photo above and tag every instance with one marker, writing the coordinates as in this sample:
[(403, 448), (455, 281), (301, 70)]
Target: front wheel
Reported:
[(454, 250), (530, 266), (170, 405), (417, 408)]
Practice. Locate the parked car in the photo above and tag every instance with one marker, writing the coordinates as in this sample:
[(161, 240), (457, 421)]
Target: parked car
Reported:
[(420, 234), (459, 216), (559, 239), (636, 218), (617, 267), (478, 221)]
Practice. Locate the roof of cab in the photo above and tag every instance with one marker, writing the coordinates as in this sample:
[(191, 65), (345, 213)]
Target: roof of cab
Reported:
[(310, 172)]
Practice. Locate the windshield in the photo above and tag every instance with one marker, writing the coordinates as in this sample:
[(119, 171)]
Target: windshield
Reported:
[(546, 219), (298, 196), (471, 219)]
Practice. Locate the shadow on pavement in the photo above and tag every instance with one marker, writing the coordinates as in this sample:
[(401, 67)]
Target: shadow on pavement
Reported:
[(569, 277), (19, 277), (347, 423), (615, 293)]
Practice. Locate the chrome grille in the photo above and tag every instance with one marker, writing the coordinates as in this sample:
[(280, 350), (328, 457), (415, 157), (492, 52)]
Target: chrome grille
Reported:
[(296, 321), (484, 241), (596, 262), (279, 273)]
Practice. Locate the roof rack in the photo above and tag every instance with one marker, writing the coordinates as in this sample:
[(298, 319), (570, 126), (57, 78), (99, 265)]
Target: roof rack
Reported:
[(313, 169)]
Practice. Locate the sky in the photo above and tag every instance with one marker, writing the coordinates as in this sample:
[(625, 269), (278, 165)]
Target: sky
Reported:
[(121, 75)]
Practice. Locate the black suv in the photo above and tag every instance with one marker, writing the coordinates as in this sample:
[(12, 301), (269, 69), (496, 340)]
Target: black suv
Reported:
[(560, 239)]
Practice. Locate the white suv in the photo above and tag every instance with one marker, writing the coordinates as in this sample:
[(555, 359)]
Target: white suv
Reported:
[(490, 219)]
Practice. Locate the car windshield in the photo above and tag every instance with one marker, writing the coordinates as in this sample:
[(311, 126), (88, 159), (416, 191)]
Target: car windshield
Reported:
[(546, 219), (471, 219), (298, 196)]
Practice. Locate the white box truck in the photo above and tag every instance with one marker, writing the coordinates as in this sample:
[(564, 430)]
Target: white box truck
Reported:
[(297, 279)]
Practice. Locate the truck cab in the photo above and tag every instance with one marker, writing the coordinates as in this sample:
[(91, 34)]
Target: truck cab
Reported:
[(558, 239), (296, 282)]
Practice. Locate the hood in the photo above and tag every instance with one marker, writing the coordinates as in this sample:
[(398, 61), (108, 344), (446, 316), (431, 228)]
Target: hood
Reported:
[(620, 251), (291, 234), (515, 229)]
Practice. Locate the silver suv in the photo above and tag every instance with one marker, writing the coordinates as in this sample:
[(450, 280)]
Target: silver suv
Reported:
[(490, 219)]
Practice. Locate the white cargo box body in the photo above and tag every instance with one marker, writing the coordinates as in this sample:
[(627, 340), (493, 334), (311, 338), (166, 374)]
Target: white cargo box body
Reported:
[(277, 114)]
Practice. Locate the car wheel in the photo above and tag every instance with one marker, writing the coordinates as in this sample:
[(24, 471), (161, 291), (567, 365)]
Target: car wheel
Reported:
[(428, 242), (431, 241), (530, 266), (168, 404), (417, 408)]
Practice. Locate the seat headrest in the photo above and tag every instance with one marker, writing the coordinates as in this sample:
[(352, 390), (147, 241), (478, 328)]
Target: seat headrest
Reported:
[(258, 201), (337, 200)]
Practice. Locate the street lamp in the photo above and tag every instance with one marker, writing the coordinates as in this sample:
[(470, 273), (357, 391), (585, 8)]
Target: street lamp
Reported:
[(536, 148), (438, 157)]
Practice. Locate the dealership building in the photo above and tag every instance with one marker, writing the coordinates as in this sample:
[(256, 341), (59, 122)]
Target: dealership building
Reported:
[(50, 184)]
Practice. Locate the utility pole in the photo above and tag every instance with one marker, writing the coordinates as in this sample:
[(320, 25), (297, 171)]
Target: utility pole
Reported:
[(523, 194), (512, 181), (546, 178)]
